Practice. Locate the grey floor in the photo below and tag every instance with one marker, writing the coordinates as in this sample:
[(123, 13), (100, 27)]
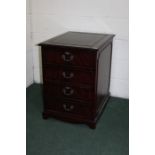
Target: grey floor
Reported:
[(54, 137)]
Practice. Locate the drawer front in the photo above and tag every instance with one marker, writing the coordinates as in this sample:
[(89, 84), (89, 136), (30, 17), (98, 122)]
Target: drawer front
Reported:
[(67, 107), (77, 57), (68, 91), (68, 75)]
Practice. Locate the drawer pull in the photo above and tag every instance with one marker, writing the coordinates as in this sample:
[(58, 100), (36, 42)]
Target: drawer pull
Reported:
[(68, 75), (68, 91), (67, 56), (68, 108)]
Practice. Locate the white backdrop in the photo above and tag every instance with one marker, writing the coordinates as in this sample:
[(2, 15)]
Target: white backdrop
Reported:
[(48, 18)]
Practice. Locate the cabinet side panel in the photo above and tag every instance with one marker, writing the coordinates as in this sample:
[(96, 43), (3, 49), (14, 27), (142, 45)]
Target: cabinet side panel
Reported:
[(104, 68)]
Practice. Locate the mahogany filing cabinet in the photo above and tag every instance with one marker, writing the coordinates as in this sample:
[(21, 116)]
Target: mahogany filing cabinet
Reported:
[(76, 76)]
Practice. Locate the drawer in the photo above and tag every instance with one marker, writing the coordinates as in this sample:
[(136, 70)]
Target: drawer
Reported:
[(68, 75), (67, 107), (68, 91), (74, 57)]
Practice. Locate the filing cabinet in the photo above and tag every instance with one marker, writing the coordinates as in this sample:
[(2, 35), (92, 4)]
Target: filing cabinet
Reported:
[(76, 76)]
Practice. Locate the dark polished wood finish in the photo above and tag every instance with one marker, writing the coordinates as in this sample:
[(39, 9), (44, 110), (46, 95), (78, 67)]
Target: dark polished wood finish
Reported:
[(76, 76)]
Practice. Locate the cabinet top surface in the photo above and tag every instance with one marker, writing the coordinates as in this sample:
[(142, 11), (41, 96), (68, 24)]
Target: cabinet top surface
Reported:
[(79, 39)]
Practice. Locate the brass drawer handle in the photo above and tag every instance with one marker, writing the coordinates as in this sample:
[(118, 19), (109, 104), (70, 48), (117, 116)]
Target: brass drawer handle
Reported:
[(68, 108), (67, 56), (68, 91), (67, 75)]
